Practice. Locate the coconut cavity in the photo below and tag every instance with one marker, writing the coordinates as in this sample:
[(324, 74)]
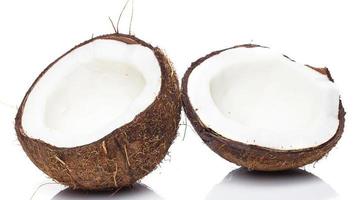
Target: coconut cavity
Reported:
[(90, 92), (257, 96)]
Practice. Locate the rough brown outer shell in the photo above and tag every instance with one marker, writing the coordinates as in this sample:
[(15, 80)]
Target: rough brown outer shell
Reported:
[(256, 157), (123, 156)]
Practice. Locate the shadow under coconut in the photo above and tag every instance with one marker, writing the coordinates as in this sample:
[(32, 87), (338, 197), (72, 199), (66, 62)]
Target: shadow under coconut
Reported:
[(296, 184), (136, 192)]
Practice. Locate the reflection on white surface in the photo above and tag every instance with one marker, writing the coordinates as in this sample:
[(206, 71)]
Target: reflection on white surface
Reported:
[(56, 191), (242, 184), (136, 192)]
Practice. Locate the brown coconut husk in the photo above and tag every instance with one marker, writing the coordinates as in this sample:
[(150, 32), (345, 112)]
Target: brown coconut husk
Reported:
[(123, 156), (256, 157)]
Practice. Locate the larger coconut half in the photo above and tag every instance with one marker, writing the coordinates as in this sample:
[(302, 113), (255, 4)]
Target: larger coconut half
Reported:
[(260, 109), (103, 115)]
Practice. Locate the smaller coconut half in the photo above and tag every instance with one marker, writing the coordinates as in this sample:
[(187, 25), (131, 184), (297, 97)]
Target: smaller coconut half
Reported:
[(262, 110), (103, 115)]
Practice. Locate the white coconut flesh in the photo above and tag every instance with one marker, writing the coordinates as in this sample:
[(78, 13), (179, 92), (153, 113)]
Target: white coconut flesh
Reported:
[(90, 92), (257, 96)]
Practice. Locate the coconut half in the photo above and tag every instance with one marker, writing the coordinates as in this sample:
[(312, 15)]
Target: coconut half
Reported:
[(262, 110), (103, 115)]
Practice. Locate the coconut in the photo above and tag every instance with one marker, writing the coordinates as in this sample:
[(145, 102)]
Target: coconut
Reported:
[(103, 115), (262, 110)]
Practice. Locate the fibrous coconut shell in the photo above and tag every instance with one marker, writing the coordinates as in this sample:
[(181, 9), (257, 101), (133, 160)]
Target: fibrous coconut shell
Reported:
[(123, 156), (256, 157)]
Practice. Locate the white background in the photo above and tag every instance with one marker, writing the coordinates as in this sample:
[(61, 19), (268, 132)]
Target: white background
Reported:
[(320, 33)]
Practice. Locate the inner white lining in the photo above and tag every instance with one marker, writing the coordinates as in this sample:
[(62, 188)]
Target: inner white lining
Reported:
[(90, 92), (257, 96)]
